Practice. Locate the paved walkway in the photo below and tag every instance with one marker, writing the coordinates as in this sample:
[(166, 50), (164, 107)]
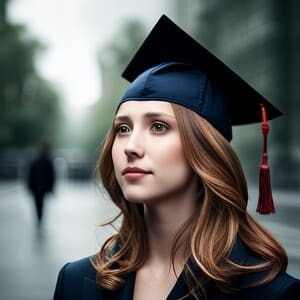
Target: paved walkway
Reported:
[(29, 261)]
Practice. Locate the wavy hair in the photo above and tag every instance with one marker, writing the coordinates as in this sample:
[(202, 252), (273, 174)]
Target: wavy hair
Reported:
[(209, 234)]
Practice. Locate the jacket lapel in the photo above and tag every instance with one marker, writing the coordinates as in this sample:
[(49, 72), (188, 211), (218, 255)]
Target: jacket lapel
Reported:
[(126, 292), (180, 288), (238, 255), (92, 292)]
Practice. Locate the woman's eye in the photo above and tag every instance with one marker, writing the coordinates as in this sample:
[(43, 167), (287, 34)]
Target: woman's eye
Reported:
[(158, 127), (122, 129)]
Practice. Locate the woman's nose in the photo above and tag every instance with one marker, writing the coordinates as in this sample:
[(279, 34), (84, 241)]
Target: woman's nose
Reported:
[(134, 148)]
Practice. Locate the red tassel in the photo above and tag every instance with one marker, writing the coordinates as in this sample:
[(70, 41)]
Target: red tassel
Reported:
[(265, 201)]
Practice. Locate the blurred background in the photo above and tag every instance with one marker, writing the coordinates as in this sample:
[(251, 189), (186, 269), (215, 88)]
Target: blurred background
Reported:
[(60, 66)]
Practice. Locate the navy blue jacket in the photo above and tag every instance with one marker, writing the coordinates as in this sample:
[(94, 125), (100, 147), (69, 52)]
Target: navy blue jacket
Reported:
[(77, 281)]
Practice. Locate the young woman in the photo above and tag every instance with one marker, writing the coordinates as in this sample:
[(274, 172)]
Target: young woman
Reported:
[(168, 165)]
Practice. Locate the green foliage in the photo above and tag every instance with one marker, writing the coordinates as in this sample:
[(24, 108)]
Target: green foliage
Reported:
[(24, 123), (29, 106)]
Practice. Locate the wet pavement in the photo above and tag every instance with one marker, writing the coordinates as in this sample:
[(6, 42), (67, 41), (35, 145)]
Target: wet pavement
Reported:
[(30, 259)]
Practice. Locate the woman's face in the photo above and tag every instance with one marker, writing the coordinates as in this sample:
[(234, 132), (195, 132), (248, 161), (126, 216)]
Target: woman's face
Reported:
[(147, 153)]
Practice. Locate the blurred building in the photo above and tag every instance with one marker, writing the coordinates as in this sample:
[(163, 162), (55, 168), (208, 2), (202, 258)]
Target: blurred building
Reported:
[(260, 40)]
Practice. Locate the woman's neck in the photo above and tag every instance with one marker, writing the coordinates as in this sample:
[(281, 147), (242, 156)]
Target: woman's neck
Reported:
[(163, 220)]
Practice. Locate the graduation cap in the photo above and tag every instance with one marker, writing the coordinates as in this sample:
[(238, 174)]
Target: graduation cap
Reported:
[(172, 66)]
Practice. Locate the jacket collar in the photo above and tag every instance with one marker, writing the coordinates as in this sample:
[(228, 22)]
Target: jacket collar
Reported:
[(91, 291)]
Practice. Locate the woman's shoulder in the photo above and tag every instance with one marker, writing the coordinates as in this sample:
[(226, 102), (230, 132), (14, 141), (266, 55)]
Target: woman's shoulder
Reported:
[(81, 267), (283, 286), (72, 277), (287, 282)]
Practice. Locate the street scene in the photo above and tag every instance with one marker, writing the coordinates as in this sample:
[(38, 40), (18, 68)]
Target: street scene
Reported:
[(30, 258), (62, 66)]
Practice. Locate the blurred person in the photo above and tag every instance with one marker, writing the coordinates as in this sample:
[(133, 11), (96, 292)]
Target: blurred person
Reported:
[(41, 178), (168, 165)]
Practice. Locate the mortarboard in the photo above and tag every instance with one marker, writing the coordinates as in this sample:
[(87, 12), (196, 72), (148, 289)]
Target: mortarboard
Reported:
[(172, 66)]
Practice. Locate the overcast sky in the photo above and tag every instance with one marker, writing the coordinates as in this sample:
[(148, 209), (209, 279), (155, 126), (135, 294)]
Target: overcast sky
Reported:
[(73, 31)]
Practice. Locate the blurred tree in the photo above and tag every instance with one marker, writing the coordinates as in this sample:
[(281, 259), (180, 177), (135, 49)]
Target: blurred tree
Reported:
[(113, 59), (29, 105)]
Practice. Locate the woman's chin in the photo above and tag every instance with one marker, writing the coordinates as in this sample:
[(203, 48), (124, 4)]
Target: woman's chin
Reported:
[(137, 199)]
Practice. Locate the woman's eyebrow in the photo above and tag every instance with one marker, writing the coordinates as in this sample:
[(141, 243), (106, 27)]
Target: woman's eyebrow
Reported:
[(157, 115), (122, 118), (149, 115)]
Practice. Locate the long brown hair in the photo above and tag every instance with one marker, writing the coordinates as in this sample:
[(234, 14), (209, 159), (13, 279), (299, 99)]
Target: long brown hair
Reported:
[(211, 231)]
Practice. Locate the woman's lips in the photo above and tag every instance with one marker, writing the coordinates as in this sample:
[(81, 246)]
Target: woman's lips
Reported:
[(134, 176), (134, 173)]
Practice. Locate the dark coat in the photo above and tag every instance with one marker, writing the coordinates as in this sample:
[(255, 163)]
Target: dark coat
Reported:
[(77, 281), (41, 176)]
